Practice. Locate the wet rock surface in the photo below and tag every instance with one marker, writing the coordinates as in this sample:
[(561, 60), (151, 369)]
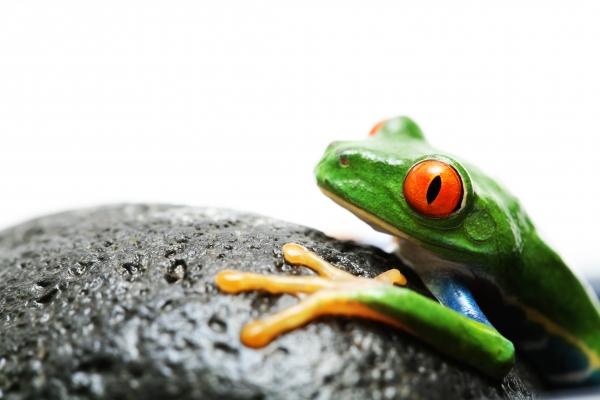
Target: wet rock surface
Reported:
[(120, 302)]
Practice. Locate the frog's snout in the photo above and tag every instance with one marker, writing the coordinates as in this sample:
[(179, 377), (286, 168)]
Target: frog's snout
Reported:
[(333, 168), (327, 165), (321, 171), (336, 154)]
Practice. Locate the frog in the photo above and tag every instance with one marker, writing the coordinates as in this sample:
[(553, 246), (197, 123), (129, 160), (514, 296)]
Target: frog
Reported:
[(495, 287)]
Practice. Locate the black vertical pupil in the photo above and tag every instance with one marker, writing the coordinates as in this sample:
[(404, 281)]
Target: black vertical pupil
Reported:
[(434, 189)]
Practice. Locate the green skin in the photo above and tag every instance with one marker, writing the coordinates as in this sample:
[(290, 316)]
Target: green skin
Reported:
[(490, 242)]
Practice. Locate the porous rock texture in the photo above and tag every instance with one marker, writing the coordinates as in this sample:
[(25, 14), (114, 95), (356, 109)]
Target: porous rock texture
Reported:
[(119, 302)]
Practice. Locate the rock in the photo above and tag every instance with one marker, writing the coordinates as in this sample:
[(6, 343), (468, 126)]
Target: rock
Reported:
[(120, 302)]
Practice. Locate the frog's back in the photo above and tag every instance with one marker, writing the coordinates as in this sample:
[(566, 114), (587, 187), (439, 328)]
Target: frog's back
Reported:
[(548, 311), (554, 315)]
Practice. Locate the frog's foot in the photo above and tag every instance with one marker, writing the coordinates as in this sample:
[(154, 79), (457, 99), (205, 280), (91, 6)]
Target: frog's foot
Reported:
[(331, 293)]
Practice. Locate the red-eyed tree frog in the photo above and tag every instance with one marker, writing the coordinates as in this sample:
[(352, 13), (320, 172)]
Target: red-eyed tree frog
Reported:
[(493, 280)]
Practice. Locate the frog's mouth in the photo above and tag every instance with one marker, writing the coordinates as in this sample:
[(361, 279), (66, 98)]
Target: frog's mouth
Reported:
[(375, 222)]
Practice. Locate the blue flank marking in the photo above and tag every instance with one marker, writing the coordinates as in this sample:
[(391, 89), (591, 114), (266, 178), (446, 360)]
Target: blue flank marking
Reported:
[(552, 355), (557, 360), (453, 294)]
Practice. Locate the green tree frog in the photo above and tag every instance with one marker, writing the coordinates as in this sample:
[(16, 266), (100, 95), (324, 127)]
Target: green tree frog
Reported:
[(493, 281)]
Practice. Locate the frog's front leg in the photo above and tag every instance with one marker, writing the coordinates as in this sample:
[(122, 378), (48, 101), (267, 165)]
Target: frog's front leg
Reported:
[(336, 292), (331, 286)]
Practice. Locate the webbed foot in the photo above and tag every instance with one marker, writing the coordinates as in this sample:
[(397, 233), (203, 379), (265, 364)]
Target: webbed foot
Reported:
[(329, 293)]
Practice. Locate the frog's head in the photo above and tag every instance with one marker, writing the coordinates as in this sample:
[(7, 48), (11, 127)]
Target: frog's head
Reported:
[(399, 184)]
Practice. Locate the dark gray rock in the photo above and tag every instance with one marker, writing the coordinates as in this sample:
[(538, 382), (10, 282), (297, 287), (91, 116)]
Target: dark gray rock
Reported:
[(119, 302)]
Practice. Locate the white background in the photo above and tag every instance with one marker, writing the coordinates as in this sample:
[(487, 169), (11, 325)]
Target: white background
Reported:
[(231, 104)]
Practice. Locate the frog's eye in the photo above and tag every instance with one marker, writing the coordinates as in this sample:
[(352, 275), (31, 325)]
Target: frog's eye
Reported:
[(375, 130), (433, 188)]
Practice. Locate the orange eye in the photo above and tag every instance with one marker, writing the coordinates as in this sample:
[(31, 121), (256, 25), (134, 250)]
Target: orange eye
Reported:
[(433, 188), (376, 128)]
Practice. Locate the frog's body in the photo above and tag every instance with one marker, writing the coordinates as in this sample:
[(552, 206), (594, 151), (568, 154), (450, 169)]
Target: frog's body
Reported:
[(464, 234)]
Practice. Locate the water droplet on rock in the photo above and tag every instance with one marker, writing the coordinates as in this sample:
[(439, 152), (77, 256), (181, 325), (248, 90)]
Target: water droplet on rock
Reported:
[(47, 297), (176, 271), (217, 324)]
